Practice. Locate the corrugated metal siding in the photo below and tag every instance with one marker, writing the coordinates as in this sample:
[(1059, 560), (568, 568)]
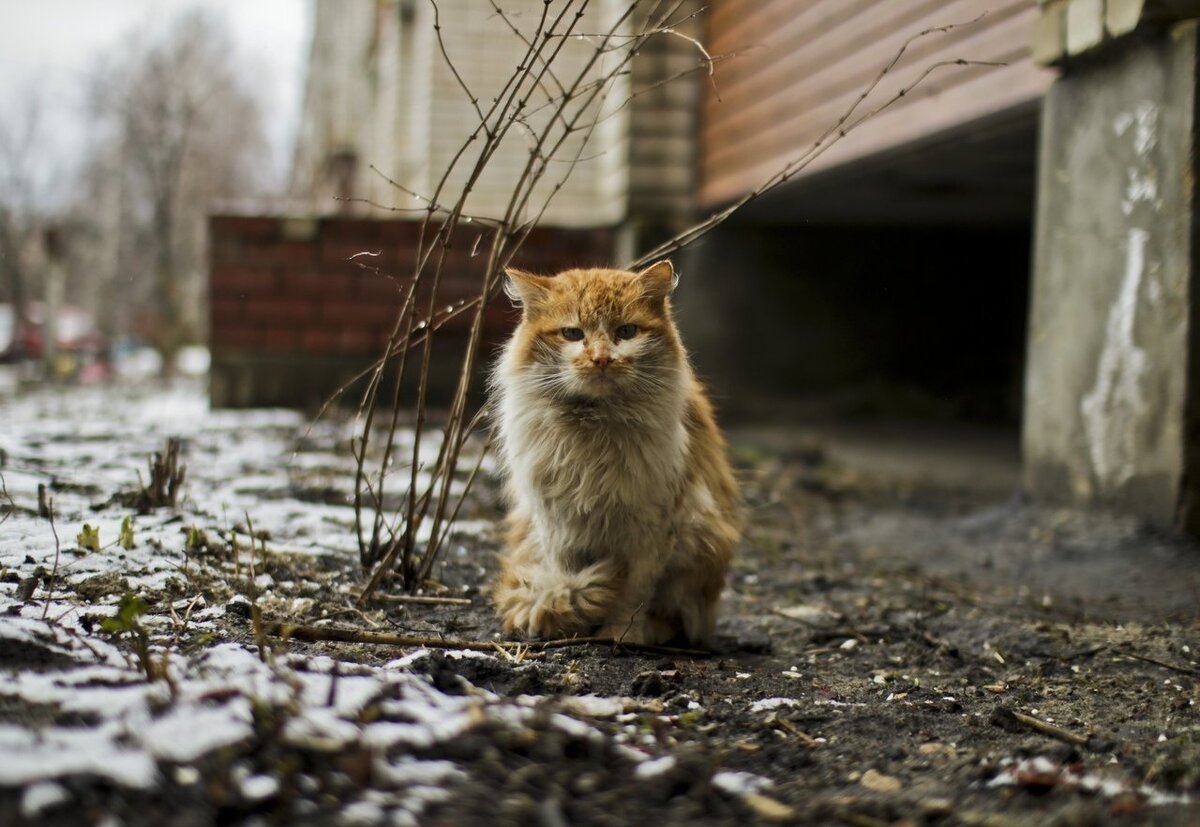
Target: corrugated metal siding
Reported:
[(800, 64)]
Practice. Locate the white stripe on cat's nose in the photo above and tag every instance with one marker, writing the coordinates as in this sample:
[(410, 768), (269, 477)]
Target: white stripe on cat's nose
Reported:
[(600, 355)]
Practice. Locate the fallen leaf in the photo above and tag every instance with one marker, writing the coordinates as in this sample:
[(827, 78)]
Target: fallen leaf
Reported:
[(880, 783), (812, 615), (768, 808), (937, 748)]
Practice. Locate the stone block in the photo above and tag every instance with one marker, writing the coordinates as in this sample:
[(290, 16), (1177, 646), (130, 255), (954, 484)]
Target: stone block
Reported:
[(1085, 25), (1123, 16), (1049, 35)]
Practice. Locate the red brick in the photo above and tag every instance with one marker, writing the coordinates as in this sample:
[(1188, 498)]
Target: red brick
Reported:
[(225, 312), (244, 227), (232, 282), (237, 339), (320, 341), (322, 284), (361, 340), (281, 310), (359, 313), (400, 232), (279, 253), (280, 338), (375, 287), (351, 229)]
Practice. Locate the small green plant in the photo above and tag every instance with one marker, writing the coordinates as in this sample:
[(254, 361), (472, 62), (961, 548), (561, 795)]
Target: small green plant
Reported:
[(127, 624), (125, 538), (195, 540), (88, 538)]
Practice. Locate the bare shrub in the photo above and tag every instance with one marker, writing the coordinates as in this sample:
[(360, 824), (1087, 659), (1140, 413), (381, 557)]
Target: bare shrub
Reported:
[(559, 114)]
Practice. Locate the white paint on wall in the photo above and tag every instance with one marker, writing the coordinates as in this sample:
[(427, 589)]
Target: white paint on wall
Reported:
[(1142, 188), (1112, 409), (1143, 120), (1116, 404)]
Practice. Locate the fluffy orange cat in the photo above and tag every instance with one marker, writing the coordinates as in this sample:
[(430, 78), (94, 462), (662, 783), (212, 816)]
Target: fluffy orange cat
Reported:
[(624, 511)]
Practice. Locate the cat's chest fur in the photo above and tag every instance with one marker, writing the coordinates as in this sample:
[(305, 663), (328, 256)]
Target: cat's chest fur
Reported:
[(586, 478)]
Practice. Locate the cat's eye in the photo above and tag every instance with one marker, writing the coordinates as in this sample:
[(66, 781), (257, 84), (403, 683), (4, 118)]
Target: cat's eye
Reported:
[(572, 334), (627, 331)]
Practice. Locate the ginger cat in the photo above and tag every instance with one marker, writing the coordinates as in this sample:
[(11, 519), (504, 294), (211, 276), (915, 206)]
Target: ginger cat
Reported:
[(624, 510)]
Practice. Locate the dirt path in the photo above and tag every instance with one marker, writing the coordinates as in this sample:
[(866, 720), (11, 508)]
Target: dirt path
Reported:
[(887, 655)]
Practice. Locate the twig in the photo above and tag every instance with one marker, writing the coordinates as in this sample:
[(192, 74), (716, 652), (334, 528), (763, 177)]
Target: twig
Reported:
[(632, 647), (629, 625), (343, 635), (1049, 729), (422, 600), (57, 554), (1183, 670), (804, 737), (12, 505), (256, 612), (336, 634)]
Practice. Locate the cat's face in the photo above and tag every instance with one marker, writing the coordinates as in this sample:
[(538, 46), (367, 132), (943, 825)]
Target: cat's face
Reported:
[(597, 333)]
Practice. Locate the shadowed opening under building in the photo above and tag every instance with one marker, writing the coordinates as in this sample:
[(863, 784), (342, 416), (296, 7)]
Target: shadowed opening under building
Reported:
[(888, 299)]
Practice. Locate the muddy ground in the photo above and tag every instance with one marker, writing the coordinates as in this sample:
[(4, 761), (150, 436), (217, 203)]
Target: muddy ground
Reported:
[(889, 653)]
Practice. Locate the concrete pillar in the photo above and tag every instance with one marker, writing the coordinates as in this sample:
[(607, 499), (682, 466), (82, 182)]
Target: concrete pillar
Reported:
[(1112, 385)]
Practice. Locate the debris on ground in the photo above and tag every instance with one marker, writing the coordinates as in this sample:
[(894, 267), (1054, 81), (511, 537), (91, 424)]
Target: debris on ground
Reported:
[(150, 669)]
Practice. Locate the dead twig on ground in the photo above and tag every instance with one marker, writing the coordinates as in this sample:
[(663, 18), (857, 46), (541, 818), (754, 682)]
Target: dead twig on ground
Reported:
[(1183, 670), (336, 634), (256, 621), (804, 737), (57, 555), (422, 600), (1045, 728), (7, 500)]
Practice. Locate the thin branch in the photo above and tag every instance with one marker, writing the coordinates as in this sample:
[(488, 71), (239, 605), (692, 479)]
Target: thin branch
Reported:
[(341, 634), (437, 29), (57, 554)]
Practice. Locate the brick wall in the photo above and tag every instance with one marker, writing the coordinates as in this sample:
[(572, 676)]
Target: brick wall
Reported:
[(293, 318)]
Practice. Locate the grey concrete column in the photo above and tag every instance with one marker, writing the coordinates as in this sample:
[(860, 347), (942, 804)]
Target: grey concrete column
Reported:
[(1111, 383)]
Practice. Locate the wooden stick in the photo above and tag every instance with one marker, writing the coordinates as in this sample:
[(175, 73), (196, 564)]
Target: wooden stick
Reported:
[(341, 634), (1046, 728), (616, 644), (1183, 670), (807, 739), (422, 600)]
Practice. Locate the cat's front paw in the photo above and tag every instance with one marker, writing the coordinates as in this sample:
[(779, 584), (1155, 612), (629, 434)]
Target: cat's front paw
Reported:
[(556, 612)]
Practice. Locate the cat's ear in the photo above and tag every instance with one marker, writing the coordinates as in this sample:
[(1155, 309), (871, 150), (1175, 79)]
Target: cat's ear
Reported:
[(525, 289), (658, 280)]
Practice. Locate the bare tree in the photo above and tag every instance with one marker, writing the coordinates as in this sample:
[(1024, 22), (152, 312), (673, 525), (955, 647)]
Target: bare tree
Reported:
[(180, 126), (19, 204)]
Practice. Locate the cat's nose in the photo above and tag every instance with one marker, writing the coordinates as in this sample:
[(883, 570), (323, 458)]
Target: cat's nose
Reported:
[(601, 360)]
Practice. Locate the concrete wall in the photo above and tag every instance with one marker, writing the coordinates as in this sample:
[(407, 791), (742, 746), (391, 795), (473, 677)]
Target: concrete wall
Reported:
[(1108, 384)]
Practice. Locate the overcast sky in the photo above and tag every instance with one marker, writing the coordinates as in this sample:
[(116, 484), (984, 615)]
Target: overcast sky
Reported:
[(48, 46)]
